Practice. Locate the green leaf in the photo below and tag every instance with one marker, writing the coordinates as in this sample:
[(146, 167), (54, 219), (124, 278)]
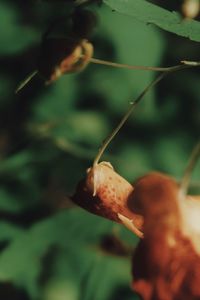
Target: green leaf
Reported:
[(119, 86), (18, 170), (14, 36), (78, 128), (78, 233), (9, 231), (132, 161), (153, 14), (15, 163), (57, 101), (57, 289)]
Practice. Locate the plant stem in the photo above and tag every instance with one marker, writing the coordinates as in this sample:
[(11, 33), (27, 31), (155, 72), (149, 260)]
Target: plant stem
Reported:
[(25, 81), (124, 119), (188, 171), (185, 65)]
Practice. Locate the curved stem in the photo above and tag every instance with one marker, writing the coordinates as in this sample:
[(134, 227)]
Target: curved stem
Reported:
[(124, 119), (188, 171), (185, 65)]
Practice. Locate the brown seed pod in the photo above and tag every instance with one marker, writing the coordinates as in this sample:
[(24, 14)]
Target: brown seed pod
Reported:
[(65, 47), (105, 193), (70, 51), (62, 56)]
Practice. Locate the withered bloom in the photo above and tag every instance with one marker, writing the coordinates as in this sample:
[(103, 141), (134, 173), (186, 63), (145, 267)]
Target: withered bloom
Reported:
[(166, 263), (105, 193)]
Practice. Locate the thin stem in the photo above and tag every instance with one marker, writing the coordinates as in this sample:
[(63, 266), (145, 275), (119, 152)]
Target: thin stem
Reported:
[(188, 171), (125, 117), (184, 65), (25, 81)]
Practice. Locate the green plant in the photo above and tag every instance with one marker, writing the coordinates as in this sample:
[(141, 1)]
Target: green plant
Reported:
[(51, 134)]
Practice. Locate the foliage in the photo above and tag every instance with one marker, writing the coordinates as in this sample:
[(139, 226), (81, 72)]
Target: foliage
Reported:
[(153, 14), (49, 136)]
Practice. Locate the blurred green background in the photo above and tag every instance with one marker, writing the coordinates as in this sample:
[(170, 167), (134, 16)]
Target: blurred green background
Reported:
[(49, 135)]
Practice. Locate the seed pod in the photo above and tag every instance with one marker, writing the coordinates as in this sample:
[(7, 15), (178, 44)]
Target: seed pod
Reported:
[(105, 193), (62, 56), (70, 52)]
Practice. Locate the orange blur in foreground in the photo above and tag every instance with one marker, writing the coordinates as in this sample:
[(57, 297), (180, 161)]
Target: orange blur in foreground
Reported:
[(166, 262)]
